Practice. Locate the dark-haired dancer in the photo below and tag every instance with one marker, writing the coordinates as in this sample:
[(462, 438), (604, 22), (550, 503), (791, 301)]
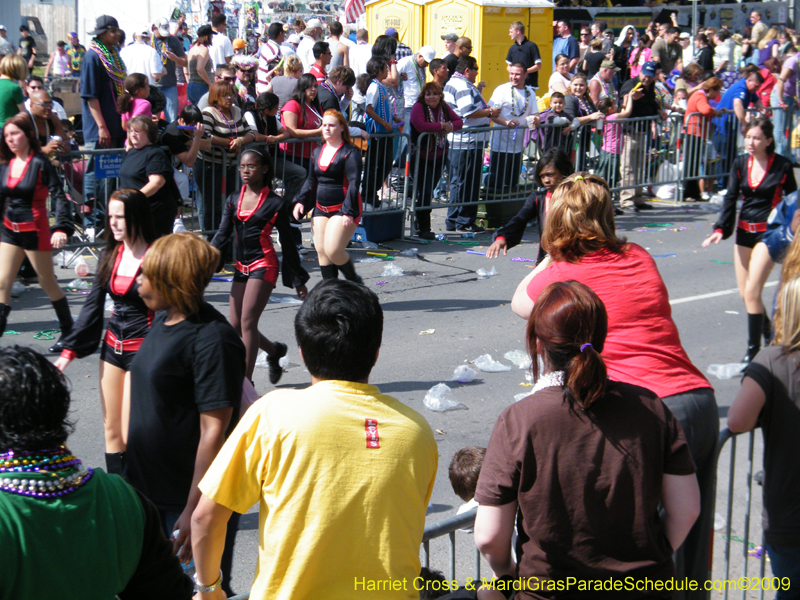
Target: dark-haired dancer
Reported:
[(249, 215), (129, 232), (26, 178), (760, 178), (331, 189), (577, 427), (552, 167)]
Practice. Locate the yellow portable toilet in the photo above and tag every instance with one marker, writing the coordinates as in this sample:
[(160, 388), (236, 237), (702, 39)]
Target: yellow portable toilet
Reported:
[(406, 16), (486, 23)]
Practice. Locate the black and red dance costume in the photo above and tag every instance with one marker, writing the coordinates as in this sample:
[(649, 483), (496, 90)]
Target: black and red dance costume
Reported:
[(252, 232), (25, 216), (25, 219), (758, 198), (129, 323), (334, 190)]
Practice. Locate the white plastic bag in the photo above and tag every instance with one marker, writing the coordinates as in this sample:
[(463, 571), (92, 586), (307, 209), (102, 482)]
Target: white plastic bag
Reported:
[(109, 305), (392, 270), (519, 358), (728, 371), (371, 259), (488, 365), (519, 397), (410, 253), (440, 398), (78, 284), (464, 374), (17, 289), (484, 274), (261, 359)]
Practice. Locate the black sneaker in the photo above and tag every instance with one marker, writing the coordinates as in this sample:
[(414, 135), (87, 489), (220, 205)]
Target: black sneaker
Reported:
[(275, 369), (644, 206), (470, 229)]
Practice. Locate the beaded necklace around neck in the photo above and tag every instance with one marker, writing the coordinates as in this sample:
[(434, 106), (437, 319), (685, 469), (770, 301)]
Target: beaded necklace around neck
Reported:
[(112, 62), (42, 473)]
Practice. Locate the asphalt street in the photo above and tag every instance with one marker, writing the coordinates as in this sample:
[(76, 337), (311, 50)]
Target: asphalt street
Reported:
[(440, 315)]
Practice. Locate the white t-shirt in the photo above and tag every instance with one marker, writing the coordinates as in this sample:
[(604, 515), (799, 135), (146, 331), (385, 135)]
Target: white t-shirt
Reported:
[(514, 105), (555, 78), (359, 55), (141, 58), (288, 50), (305, 52), (220, 49), (415, 78)]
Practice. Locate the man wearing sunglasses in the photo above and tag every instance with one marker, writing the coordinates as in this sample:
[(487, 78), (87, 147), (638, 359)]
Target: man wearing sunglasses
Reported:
[(463, 48), (225, 74), (46, 125)]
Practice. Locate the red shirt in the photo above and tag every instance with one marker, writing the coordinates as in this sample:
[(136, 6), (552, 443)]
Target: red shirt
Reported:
[(318, 72), (643, 346), (698, 103)]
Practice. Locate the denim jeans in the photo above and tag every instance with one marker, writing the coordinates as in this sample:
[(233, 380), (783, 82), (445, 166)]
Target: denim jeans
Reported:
[(91, 190), (504, 170), (466, 166), (171, 110), (195, 91), (782, 118), (785, 562)]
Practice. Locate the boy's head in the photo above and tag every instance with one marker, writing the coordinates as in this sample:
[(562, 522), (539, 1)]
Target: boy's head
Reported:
[(557, 102), (464, 471), (607, 106), (339, 330)]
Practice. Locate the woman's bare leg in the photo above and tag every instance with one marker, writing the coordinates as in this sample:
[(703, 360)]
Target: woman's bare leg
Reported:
[(256, 296), (11, 258), (112, 396), (757, 273), (42, 262)]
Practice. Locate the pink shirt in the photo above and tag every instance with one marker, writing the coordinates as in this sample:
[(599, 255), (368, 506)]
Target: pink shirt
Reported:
[(612, 135), (642, 346), (140, 106), (636, 66)]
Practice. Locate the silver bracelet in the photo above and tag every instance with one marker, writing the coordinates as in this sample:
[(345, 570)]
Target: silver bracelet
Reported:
[(207, 589)]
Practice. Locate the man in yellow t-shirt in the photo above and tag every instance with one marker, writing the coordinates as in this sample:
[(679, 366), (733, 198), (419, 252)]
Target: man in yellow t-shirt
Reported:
[(343, 474)]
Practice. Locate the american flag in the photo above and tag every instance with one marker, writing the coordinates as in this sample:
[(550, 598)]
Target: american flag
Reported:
[(353, 9)]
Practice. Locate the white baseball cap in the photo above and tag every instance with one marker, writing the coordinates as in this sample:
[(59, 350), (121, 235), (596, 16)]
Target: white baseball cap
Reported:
[(3, 27), (163, 27), (294, 39), (428, 53), (313, 24)]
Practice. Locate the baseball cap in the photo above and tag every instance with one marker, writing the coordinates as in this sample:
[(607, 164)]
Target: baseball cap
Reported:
[(163, 27), (450, 37), (314, 24), (145, 34), (391, 32), (3, 27), (649, 68), (294, 39), (103, 23), (609, 64), (428, 53), (685, 36)]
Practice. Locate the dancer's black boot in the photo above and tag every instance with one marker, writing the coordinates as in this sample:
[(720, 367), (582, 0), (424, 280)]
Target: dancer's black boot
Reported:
[(755, 327), (329, 271), (64, 321), (349, 271), (767, 331), (4, 310)]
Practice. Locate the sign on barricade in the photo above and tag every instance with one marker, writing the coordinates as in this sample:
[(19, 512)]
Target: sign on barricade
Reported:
[(106, 166)]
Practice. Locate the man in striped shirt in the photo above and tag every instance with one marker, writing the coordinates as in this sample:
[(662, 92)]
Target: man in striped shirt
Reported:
[(466, 147), (269, 51)]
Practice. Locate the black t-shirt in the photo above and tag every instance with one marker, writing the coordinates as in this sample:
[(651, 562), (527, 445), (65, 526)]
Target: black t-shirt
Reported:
[(528, 54), (327, 99), (176, 140), (705, 58), (647, 105), (180, 371), (593, 61), (26, 46), (174, 45), (451, 60), (136, 168)]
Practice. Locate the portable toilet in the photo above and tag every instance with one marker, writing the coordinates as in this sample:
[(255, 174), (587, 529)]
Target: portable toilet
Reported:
[(486, 23), (406, 16)]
